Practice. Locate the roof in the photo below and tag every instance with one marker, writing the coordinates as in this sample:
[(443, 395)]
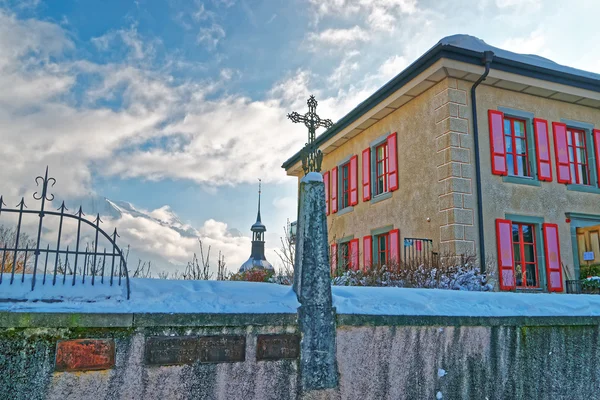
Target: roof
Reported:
[(468, 49)]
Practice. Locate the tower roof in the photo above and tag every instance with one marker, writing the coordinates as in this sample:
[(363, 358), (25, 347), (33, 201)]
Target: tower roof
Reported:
[(258, 226)]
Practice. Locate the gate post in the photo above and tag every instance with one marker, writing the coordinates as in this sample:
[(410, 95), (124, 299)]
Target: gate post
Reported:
[(312, 284)]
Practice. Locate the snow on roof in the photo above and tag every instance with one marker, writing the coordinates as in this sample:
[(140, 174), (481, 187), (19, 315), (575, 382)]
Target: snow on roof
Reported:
[(177, 296), (473, 43)]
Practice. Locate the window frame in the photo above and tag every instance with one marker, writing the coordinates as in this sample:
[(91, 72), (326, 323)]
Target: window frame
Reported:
[(537, 223), (375, 234), (345, 163), (588, 128), (527, 117), (343, 243), (513, 139), (385, 164), (380, 141), (521, 243)]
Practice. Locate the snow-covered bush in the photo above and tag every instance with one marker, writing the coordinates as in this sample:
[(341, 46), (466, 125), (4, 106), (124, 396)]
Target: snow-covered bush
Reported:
[(452, 277)]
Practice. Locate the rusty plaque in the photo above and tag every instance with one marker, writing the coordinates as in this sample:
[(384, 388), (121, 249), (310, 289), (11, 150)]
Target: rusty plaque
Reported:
[(181, 350), (277, 347), (85, 354)]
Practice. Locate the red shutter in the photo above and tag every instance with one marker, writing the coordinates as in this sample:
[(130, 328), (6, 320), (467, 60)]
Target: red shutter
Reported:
[(354, 180), (561, 151), (596, 134), (553, 263), (542, 149), (392, 162), (497, 147), (366, 174), (506, 264), (334, 180), (333, 258), (354, 254), (367, 251), (326, 182), (394, 238)]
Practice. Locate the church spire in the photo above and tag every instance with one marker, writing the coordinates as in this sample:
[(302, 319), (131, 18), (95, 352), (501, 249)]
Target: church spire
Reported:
[(257, 255), (259, 187)]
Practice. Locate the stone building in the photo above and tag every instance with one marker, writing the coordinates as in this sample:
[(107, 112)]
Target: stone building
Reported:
[(257, 253), (470, 150)]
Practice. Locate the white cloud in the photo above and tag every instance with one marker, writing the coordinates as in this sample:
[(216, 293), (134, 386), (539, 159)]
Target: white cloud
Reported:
[(211, 36), (534, 43), (339, 37), (392, 67)]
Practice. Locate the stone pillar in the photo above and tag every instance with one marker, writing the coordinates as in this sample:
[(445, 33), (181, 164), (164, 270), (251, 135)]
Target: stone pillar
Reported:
[(455, 169), (312, 284)]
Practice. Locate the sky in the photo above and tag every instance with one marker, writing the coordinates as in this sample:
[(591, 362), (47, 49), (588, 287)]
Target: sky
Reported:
[(178, 107)]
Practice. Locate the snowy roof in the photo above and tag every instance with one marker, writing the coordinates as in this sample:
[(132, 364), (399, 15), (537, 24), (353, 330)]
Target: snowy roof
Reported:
[(466, 49), (473, 43)]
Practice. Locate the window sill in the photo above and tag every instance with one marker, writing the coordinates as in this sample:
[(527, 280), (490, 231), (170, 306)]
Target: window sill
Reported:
[(345, 210), (533, 290), (583, 188), (521, 180), (381, 197)]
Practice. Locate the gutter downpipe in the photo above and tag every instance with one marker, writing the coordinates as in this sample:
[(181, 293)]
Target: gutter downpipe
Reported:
[(487, 58)]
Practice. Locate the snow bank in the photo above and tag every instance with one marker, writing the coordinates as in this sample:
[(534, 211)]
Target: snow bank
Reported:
[(436, 302), (178, 296), (154, 296)]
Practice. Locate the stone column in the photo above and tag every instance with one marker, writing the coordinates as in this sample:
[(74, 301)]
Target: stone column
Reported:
[(455, 169), (312, 284)]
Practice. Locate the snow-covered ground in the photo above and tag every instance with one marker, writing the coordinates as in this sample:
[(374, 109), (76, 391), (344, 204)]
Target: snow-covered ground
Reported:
[(177, 296)]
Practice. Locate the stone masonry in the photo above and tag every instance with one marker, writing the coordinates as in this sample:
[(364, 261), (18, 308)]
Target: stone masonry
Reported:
[(455, 169)]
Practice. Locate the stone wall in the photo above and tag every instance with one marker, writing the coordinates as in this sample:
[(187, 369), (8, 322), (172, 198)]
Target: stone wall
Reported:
[(379, 357)]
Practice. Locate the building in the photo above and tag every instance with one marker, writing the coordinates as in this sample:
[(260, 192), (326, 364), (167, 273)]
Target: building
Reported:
[(470, 150), (257, 254)]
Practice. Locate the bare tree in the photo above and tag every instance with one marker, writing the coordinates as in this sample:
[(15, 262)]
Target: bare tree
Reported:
[(8, 239), (143, 270), (287, 252)]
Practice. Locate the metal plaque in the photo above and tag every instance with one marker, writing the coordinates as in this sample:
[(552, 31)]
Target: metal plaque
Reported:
[(85, 355), (277, 347), (588, 256), (181, 350)]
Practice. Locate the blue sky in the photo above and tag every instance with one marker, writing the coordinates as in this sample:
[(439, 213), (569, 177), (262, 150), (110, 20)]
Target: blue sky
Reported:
[(183, 103)]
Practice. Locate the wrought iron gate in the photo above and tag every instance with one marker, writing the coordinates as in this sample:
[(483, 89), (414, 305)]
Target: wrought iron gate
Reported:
[(65, 263)]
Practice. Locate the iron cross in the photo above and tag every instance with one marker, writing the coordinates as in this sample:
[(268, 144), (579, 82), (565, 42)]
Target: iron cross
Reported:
[(310, 154)]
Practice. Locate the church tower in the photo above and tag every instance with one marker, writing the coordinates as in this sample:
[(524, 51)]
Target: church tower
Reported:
[(257, 255)]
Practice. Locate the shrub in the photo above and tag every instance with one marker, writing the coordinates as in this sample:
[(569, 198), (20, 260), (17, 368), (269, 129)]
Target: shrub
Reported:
[(253, 275)]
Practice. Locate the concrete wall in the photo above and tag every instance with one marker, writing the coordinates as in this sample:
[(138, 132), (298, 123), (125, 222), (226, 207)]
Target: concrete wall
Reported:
[(379, 357), (28, 347), (551, 200)]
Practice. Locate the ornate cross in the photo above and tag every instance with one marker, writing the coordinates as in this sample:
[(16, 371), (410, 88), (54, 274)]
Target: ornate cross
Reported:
[(310, 154)]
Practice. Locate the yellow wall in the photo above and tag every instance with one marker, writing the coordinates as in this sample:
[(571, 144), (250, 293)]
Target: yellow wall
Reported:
[(551, 200)]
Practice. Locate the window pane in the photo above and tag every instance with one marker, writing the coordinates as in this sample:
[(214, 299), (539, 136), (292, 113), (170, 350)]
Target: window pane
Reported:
[(508, 143), (519, 274), (581, 156), (583, 175), (527, 234), (519, 128), (529, 253), (522, 166), (531, 275), (516, 252), (515, 232), (569, 136), (578, 138), (521, 146), (507, 126), (510, 164), (571, 155)]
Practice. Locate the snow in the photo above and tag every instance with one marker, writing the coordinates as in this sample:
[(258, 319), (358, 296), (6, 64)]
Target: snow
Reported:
[(312, 177), (180, 296), (153, 296), (441, 372), (439, 396), (475, 44), (437, 302)]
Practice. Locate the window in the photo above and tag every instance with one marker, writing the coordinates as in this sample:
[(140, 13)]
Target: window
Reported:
[(345, 186), (578, 157), (525, 256), (515, 139), (344, 256), (382, 242), (381, 169)]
